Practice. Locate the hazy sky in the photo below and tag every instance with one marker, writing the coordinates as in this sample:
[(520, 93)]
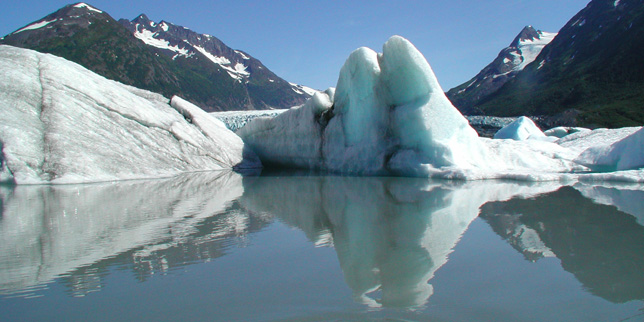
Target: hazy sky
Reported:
[(307, 42)]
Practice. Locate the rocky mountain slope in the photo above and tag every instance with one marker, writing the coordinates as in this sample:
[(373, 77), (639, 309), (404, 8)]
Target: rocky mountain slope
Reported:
[(591, 74), (164, 58)]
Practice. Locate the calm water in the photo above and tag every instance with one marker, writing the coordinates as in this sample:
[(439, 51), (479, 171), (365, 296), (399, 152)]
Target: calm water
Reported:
[(220, 247)]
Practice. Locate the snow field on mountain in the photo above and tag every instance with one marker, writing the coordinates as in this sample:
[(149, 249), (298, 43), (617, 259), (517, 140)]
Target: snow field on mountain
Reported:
[(61, 123)]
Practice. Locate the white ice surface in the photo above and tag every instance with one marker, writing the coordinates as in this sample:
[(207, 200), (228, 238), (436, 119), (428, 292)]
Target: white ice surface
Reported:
[(625, 154), (61, 123)]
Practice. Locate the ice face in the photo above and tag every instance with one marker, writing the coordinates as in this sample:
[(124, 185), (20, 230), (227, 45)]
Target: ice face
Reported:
[(625, 154), (62, 123)]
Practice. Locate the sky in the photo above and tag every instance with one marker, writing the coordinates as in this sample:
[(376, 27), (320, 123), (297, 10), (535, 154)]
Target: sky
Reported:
[(307, 42)]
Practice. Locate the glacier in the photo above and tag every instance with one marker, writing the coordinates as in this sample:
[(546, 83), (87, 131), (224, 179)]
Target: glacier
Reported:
[(61, 123), (389, 116)]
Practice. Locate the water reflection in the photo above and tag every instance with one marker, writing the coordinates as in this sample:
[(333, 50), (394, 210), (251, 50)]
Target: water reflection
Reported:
[(601, 245), (390, 234), (76, 231)]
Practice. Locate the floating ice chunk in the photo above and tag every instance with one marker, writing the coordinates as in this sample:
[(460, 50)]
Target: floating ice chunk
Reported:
[(625, 154), (562, 131), (521, 129), (61, 123)]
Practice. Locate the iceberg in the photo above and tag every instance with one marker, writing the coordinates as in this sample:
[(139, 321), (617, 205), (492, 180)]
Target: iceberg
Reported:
[(522, 128), (389, 116), (61, 123)]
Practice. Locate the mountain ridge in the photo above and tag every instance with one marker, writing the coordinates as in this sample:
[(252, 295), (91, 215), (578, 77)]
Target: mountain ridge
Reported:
[(590, 75), (92, 38)]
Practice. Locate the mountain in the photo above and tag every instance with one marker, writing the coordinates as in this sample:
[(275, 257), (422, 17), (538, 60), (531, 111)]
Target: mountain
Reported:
[(171, 62), (265, 89), (511, 60), (591, 74)]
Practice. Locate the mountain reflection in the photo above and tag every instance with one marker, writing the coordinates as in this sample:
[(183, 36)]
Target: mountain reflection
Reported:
[(390, 234), (76, 231), (601, 244)]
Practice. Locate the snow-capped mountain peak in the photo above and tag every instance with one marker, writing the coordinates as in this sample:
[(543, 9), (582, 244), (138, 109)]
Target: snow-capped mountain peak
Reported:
[(85, 5), (159, 56), (529, 44), (522, 51), (74, 14)]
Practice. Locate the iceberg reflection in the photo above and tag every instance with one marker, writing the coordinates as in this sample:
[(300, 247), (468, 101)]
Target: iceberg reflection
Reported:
[(72, 231), (391, 234)]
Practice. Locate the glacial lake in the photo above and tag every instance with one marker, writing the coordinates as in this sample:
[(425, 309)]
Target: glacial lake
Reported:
[(217, 246)]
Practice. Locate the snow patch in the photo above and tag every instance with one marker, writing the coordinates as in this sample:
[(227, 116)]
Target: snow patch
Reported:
[(241, 69), (36, 25), (237, 72), (85, 5), (530, 48), (215, 59), (242, 55), (147, 37)]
